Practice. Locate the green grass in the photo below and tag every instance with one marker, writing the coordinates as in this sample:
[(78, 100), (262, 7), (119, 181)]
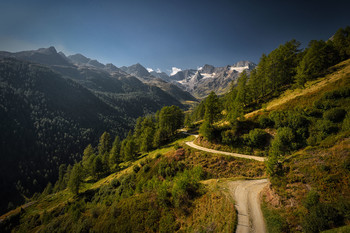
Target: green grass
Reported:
[(344, 229), (275, 223)]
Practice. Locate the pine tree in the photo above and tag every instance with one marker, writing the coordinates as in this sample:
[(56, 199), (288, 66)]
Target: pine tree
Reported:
[(104, 148), (97, 167), (88, 153), (212, 108), (75, 179), (318, 57), (114, 155), (170, 119), (129, 150), (341, 41)]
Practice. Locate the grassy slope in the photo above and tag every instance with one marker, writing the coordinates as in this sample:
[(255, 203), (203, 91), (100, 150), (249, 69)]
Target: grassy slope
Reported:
[(302, 97), (322, 168), (211, 209)]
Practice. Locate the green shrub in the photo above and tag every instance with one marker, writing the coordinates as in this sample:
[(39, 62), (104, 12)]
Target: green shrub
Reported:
[(324, 104), (291, 119), (275, 223), (256, 138), (167, 222), (207, 130), (265, 122), (115, 183), (334, 114), (337, 94), (146, 168), (321, 216), (136, 168), (177, 146), (346, 123), (95, 211), (229, 137)]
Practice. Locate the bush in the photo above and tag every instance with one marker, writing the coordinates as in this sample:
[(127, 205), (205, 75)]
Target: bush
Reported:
[(320, 130), (167, 222), (177, 146), (229, 137), (146, 168), (334, 114), (207, 130), (256, 138), (346, 123), (136, 168), (265, 122), (291, 119), (115, 183), (284, 142), (324, 104)]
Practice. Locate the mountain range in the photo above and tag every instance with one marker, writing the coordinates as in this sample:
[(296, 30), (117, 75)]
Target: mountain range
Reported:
[(198, 82)]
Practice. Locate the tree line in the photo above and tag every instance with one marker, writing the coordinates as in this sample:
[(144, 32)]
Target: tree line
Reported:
[(286, 66)]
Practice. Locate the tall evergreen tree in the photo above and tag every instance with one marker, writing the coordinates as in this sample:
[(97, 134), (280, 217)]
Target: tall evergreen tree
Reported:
[(147, 135), (75, 179), (104, 148), (170, 119), (61, 182), (97, 167), (212, 108), (114, 155), (87, 155), (341, 41)]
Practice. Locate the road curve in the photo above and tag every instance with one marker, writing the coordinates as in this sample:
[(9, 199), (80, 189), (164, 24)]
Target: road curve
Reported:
[(247, 199), (191, 144)]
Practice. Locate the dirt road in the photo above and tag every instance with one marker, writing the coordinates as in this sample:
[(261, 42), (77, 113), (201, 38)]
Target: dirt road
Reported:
[(247, 196), (191, 144)]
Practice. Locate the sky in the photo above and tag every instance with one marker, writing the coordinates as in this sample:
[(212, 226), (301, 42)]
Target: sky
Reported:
[(165, 35)]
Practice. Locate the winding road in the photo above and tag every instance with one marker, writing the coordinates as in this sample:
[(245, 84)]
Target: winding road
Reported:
[(191, 144), (246, 194)]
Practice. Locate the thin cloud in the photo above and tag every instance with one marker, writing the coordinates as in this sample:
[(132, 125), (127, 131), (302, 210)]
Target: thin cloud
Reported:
[(158, 70)]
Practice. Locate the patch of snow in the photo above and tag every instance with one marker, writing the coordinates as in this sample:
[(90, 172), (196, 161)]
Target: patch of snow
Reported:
[(206, 75), (239, 69), (150, 70), (182, 81), (174, 70)]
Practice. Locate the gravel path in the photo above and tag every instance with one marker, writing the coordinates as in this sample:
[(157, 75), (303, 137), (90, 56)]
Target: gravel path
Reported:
[(191, 144), (246, 194), (247, 202)]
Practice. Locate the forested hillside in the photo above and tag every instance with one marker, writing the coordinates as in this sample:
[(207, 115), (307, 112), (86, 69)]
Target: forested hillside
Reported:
[(302, 128), (48, 119)]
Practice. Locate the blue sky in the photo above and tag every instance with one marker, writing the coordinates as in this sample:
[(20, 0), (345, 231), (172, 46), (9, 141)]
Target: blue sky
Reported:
[(167, 33)]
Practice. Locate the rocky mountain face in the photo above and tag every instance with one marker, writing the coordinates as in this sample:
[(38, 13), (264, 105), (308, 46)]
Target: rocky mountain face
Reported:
[(209, 78), (160, 80), (46, 56), (161, 75)]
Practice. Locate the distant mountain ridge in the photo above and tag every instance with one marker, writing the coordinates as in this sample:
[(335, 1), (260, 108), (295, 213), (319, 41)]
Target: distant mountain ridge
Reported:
[(209, 78)]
